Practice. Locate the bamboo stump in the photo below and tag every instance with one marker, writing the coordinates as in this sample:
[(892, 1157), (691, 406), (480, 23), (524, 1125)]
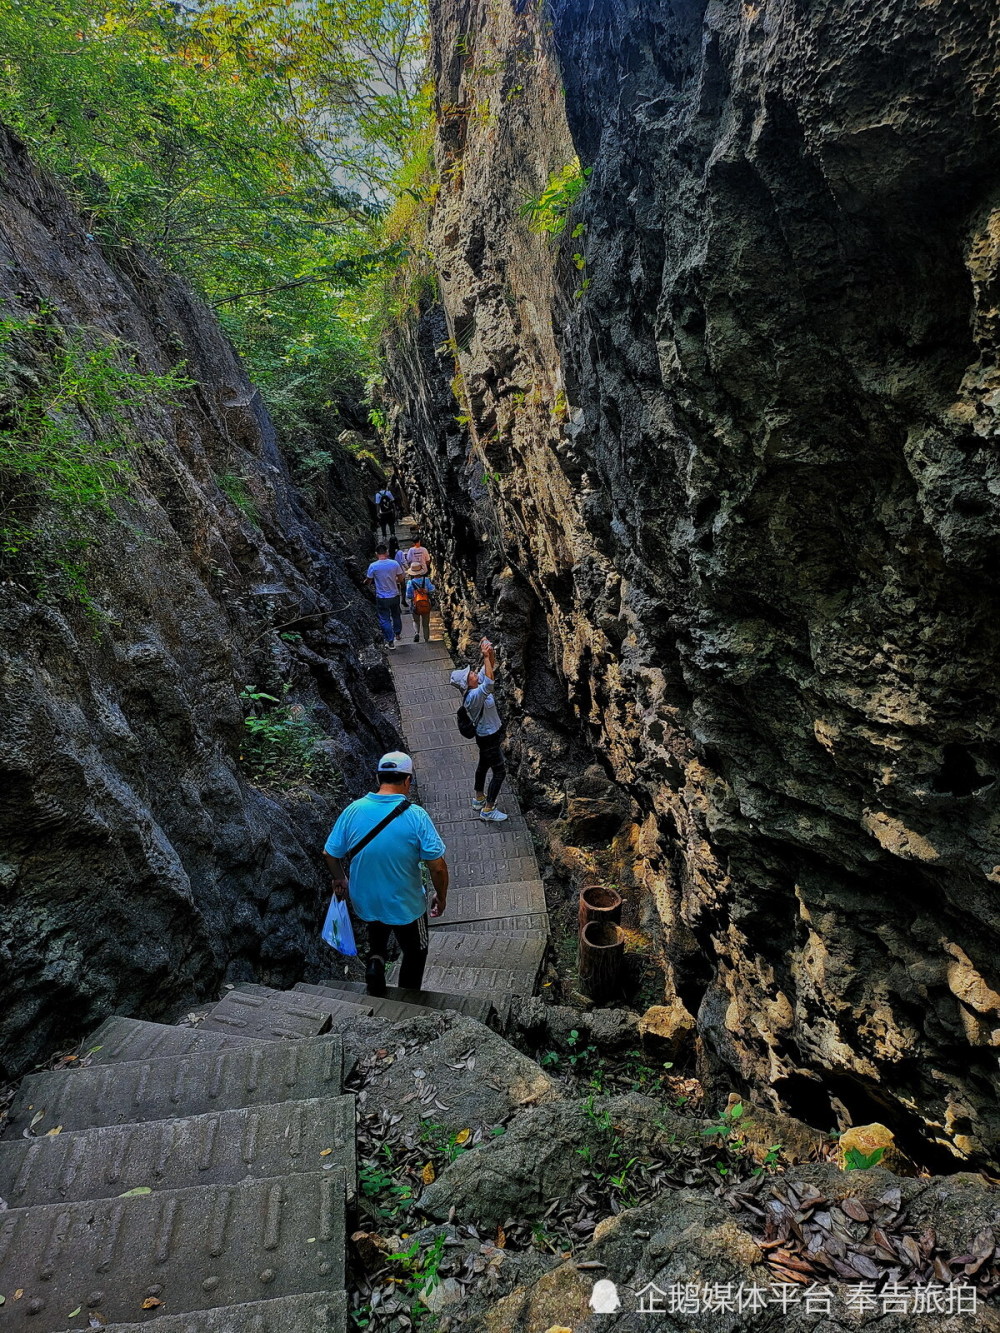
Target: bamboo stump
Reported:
[(602, 949), (599, 903)]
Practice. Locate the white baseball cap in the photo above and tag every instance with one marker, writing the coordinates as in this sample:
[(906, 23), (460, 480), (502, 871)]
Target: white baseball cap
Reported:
[(395, 762), (460, 678)]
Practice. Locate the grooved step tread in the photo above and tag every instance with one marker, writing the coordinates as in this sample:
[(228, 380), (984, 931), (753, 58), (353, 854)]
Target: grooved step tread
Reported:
[(193, 1249), (319, 1313), (492, 925), (119, 1039), (521, 950), (279, 1015), (334, 1006), (473, 1006), (489, 981), (250, 1074), (503, 900), (221, 1148)]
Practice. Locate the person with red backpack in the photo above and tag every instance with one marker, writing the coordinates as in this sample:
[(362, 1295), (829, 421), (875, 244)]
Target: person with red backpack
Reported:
[(418, 594)]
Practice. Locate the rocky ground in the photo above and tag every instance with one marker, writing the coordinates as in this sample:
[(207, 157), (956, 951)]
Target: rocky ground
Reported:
[(496, 1190)]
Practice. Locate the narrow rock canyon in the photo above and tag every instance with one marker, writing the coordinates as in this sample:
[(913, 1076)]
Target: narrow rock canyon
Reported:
[(708, 444)]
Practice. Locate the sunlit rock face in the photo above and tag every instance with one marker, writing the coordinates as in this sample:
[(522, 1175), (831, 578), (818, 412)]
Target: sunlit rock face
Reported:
[(722, 478), (138, 866)]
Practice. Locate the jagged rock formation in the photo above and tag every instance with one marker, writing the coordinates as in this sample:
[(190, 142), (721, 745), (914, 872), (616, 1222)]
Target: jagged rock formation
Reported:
[(138, 863), (731, 509)]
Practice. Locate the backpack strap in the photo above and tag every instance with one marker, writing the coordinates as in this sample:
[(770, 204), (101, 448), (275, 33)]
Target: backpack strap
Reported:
[(396, 810)]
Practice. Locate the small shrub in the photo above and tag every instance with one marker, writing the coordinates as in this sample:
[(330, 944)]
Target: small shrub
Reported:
[(548, 212), (283, 747)]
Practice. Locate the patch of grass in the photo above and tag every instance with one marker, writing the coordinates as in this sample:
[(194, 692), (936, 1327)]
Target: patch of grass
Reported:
[(235, 488)]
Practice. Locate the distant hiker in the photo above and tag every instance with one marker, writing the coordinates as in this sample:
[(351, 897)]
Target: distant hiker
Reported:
[(477, 692), (386, 577), (418, 558), (397, 553), (388, 837), (418, 598), (385, 510)]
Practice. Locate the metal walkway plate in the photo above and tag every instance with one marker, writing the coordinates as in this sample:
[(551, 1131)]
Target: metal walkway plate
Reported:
[(191, 1249), (221, 1148), (120, 1039), (274, 1017), (253, 1074), (292, 1314)]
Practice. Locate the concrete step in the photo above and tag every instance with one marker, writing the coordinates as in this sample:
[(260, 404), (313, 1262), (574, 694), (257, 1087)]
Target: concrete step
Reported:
[(521, 950), (250, 1074), (334, 1006), (119, 1039), (494, 925), (221, 1148), (516, 897), (473, 1006), (319, 1313), (502, 982), (273, 1015), (191, 1249)]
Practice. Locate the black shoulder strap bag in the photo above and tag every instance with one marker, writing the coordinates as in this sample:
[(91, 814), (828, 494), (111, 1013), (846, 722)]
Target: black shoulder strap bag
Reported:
[(396, 810)]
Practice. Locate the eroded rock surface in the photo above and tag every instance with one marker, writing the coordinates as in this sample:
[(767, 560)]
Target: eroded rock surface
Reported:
[(139, 865), (716, 467)]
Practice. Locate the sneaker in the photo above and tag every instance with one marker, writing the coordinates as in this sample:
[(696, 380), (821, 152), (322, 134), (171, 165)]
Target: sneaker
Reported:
[(478, 804), (375, 976), (494, 816), (391, 646), (416, 638)]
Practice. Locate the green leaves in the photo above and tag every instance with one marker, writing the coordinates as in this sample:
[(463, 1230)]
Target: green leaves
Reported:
[(856, 1160), (548, 211)]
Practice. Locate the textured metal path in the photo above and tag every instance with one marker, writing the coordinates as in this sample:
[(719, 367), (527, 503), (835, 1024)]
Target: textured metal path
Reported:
[(492, 937)]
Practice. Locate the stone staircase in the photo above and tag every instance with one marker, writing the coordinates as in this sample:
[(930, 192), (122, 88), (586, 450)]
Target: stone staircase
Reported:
[(189, 1176), (200, 1177)]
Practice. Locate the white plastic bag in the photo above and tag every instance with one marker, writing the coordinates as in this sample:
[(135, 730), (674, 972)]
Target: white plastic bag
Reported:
[(337, 929)]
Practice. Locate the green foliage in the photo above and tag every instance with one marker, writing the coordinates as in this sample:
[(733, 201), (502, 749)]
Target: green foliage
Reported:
[(420, 1265), (251, 145), (283, 747), (856, 1160), (66, 433), (235, 487), (441, 1142), (548, 212)]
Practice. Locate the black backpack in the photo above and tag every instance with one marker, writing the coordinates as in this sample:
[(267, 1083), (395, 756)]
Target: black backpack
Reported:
[(386, 507), (465, 723)]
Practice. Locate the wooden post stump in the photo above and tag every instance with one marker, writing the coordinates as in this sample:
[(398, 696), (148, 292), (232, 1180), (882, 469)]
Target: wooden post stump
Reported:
[(602, 948), (599, 903)]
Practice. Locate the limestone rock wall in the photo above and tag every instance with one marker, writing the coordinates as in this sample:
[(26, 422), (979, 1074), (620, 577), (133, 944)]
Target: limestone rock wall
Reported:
[(728, 496), (138, 866)]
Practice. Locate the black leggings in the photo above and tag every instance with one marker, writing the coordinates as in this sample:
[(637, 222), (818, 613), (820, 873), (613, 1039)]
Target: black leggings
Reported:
[(412, 939), (491, 759)]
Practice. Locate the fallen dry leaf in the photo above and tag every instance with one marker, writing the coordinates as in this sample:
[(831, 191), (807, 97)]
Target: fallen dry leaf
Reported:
[(325, 1152), (151, 1302), (427, 1175), (463, 1136)]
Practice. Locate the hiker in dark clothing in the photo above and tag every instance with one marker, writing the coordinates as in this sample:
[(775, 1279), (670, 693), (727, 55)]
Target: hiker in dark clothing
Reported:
[(385, 508), (477, 691), (385, 883)]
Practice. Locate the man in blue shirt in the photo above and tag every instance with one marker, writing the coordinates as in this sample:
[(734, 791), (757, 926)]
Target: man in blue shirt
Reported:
[(387, 578), (385, 884)]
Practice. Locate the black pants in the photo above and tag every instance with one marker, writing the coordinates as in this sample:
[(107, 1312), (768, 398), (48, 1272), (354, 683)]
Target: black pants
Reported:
[(491, 760), (387, 522), (412, 940)]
